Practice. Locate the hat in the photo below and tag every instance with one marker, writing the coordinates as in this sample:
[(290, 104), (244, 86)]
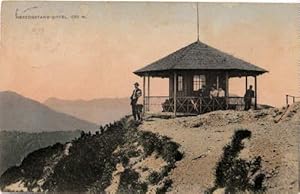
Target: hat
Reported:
[(136, 84)]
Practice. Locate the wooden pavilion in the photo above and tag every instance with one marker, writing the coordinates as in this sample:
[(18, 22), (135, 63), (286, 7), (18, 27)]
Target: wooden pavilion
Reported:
[(192, 68)]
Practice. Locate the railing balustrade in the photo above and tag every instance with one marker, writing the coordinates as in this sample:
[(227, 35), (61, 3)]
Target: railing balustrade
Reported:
[(192, 104), (293, 98)]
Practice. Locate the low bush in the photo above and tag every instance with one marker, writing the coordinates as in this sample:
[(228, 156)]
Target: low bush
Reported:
[(154, 178), (235, 174), (129, 183)]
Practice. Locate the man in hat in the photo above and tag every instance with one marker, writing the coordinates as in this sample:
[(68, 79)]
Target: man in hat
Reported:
[(248, 97), (137, 92)]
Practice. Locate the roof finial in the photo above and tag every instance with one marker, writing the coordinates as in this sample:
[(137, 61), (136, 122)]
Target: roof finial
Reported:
[(197, 22)]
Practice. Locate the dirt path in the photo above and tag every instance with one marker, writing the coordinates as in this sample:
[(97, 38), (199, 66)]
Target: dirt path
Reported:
[(203, 137)]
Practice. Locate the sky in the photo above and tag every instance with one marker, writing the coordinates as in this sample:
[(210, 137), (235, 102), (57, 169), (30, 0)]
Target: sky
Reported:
[(93, 52)]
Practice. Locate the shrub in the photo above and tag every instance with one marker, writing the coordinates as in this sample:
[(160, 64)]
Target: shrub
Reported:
[(154, 178), (235, 174), (129, 183), (167, 184)]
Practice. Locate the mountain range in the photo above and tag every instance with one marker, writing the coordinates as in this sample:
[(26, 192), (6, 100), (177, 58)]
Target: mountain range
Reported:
[(18, 113)]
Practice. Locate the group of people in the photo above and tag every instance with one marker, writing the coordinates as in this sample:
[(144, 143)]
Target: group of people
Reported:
[(204, 92), (212, 93)]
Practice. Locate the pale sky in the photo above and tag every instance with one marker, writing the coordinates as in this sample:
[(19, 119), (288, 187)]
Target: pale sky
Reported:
[(94, 57)]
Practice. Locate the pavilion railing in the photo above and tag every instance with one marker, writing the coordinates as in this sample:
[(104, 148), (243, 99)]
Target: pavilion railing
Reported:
[(154, 103), (192, 104), (237, 103), (291, 99)]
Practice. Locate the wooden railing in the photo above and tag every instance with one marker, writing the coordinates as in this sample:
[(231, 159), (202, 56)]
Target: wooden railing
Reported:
[(293, 98), (192, 105)]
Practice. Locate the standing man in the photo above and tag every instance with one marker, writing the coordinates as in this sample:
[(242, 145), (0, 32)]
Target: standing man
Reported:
[(137, 92), (248, 97)]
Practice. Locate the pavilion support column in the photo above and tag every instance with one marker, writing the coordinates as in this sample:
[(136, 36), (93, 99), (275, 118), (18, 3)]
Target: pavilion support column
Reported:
[(246, 86), (227, 89), (144, 94), (255, 85), (175, 93), (148, 93)]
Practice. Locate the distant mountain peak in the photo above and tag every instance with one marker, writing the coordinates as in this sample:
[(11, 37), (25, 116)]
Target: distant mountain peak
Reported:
[(21, 113)]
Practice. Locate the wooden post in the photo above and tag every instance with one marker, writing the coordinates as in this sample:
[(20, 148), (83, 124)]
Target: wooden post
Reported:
[(227, 89), (175, 93), (217, 82), (255, 84), (148, 93), (293, 99), (287, 99), (246, 83), (144, 95)]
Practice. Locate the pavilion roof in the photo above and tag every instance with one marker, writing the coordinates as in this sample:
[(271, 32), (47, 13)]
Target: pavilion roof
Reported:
[(200, 56)]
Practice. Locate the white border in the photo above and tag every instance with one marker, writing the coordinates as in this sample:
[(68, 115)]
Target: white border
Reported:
[(186, 1)]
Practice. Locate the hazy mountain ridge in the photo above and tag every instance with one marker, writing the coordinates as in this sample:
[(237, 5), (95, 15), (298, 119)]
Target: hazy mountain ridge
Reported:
[(100, 111), (21, 113)]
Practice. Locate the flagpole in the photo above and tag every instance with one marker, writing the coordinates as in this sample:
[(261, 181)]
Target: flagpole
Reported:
[(197, 22)]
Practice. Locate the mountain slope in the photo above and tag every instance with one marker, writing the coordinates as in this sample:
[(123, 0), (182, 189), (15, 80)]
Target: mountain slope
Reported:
[(100, 111), (20, 113), (121, 159), (15, 145)]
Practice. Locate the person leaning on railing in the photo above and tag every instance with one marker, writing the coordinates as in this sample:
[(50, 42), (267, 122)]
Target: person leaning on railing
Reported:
[(221, 98), (221, 93), (204, 91), (213, 92)]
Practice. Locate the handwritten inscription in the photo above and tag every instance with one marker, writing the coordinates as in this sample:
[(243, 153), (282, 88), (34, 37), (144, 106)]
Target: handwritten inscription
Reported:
[(26, 16)]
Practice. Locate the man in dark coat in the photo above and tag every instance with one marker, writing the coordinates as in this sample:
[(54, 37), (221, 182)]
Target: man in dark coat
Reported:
[(248, 97), (137, 92), (204, 91)]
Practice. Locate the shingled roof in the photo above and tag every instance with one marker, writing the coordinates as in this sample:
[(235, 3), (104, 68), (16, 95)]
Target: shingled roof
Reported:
[(200, 56)]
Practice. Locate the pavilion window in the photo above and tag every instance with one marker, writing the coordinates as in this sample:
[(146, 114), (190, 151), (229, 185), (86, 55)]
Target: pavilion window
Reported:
[(180, 83), (198, 82)]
